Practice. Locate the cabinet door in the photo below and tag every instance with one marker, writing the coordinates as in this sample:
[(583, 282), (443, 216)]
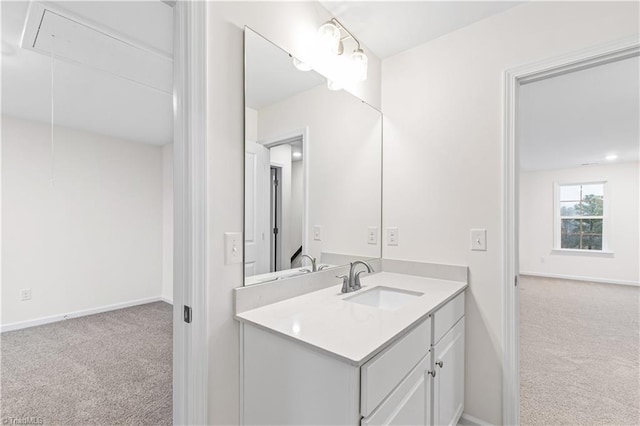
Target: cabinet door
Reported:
[(448, 389), (410, 403)]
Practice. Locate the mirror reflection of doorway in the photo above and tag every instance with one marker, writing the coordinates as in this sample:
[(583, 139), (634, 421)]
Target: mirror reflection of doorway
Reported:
[(276, 217), (285, 217)]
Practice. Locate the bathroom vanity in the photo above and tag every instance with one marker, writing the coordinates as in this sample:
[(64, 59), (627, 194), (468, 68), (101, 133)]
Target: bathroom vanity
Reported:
[(390, 353)]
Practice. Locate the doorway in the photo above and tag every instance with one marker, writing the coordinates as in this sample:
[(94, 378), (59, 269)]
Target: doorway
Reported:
[(578, 254), (189, 352), (276, 201), (515, 79), (276, 218)]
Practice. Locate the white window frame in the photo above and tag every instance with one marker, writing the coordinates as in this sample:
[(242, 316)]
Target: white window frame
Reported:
[(557, 226)]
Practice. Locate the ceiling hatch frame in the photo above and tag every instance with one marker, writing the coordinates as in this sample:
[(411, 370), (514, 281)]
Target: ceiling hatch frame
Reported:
[(86, 43)]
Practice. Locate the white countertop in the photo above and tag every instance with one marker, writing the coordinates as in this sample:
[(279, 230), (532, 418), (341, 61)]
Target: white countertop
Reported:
[(351, 331)]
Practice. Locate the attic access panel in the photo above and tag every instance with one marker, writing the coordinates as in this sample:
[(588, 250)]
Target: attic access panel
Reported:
[(48, 31)]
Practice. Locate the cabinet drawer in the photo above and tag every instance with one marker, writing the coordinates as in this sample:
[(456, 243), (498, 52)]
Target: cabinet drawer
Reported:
[(409, 403), (385, 371), (447, 316)]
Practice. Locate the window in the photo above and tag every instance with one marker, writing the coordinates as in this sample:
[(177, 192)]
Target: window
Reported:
[(580, 216)]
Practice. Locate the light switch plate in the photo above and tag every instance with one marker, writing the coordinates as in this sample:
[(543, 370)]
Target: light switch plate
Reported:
[(317, 233), (392, 236), (479, 239), (233, 245), (372, 235)]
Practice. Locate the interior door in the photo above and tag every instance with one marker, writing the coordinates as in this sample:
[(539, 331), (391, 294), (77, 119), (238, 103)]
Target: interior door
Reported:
[(256, 199), (448, 385)]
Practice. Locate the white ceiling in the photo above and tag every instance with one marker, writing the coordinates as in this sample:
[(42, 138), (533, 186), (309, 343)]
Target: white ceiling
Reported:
[(112, 103), (94, 92), (270, 75), (390, 27), (581, 117), (385, 27)]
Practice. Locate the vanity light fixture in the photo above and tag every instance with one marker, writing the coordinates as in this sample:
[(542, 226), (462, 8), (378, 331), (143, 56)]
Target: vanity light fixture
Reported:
[(330, 36), (611, 157), (359, 63), (301, 66), (333, 85), (332, 39)]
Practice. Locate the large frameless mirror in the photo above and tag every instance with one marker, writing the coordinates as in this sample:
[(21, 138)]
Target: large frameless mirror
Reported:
[(313, 169)]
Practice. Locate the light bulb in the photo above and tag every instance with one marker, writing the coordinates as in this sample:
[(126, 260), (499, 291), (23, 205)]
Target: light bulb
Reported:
[(301, 65), (333, 85), (611, 157), (359, 65), (329, 36), (296, 154)]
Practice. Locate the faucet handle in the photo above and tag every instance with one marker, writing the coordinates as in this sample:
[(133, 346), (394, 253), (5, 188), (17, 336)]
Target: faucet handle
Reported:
[(357, 285), (345, 283)]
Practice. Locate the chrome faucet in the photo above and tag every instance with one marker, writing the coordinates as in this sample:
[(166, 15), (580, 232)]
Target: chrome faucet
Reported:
[(313, 262), (352, 281)]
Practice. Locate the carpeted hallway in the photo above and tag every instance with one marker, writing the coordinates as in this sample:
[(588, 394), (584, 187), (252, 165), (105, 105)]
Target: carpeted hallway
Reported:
[(579, 353), (106, 369)]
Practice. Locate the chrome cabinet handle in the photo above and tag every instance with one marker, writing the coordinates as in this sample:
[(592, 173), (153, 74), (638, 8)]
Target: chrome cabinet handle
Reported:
[(439, 364)]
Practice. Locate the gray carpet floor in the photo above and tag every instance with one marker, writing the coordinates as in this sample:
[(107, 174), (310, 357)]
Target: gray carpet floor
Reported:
[(113, 368), (579, 353)]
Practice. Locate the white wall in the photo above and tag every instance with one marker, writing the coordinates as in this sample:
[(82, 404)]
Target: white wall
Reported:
[(90, 238), (537, 222), (167, 222), (281, 22), (443, 106), (345, 158)]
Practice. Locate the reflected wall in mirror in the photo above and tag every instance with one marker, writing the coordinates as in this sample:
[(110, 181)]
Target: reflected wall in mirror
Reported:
[(313, 169)]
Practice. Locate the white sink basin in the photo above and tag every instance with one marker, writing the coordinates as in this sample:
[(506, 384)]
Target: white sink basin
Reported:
[(386, 298)]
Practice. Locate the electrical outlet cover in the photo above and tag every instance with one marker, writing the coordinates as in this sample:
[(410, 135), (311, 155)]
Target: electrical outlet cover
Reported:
[(392, 236), (372, 235), (25, 294)]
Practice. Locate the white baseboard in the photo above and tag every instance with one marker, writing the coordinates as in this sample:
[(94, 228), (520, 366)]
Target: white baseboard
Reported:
[(468, 420), (55, 318), (166, 300), (579, 278)]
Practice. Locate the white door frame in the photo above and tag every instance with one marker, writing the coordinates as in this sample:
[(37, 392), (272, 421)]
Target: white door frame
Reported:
[(190, 348), (282, 139), (513, 78)]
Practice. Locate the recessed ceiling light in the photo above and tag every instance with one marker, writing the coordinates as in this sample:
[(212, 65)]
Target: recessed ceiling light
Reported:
[(297, 154), (611, 157)]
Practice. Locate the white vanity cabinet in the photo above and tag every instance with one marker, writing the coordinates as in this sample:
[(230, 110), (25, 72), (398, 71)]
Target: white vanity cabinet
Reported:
[(395, 385), (448, 356), (409, 403), (417, 379)]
